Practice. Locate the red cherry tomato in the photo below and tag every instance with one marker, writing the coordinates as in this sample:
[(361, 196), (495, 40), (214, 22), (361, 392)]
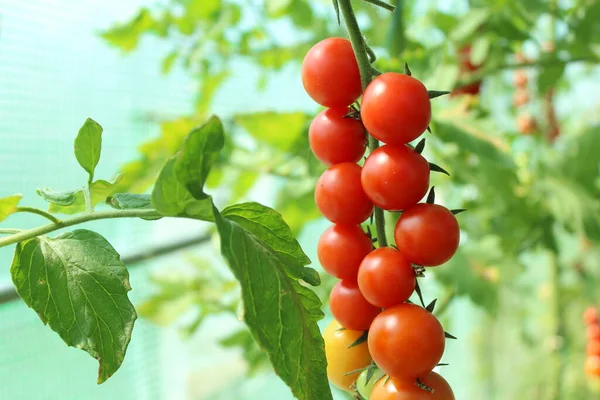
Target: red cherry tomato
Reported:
[(335, 139), (593, 332), (385, 278), (340, 197), (592, 366), (590, 316), (427, 234), (330, 73), (396, 108), (395, 177), (406, 341), (407, 389), (593, 348), (342, 248), (472, 89), (350, 308)]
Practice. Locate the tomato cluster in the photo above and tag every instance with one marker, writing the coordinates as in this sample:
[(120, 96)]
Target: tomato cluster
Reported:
[(526, 123), (592, 362), (370, 302)]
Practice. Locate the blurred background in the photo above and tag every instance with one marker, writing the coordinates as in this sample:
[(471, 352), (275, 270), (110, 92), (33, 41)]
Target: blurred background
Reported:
[(520, 136)]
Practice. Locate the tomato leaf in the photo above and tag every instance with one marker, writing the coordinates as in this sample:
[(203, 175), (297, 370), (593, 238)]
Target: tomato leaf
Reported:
[(458, 211), (407, 70), (281, 312), (431, 196), (88, 145), (449, 336), (78, 286), (62, 198), (360, 340), (420, 146), (99, 189), (437, 168), (431, 306), (8, 205), (437, 93), (126, 201)]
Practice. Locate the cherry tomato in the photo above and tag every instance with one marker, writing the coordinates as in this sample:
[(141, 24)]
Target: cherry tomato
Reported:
[(526, 124), (396, 108), (385, 278), (464, 57), (330, 73), (366, 388), (592, 366), (340, 358), (395, 177), (593, 332), (350, 308), (406, 341), (590, 316), (520, 98), (427, 234), (340, 197), (342, 248), (520, 78), (470, 89), (407, 389), (335, 139), (593, 348)]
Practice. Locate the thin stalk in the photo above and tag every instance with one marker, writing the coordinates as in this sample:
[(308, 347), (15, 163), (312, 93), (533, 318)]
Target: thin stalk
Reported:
[(362, 57), (381, 4), (37, 211), (87, 194), (79, 219), (9, 231)]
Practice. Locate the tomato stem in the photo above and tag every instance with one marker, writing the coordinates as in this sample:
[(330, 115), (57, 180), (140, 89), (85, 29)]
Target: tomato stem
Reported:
[(37, 211), (366, 74)]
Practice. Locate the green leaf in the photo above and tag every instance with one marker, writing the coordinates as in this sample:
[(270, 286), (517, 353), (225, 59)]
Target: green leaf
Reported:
[(127, 201), (281, 312), (469, 24), (8, 205), (63, 198), (549, 76), (171, 198), (126, 36), (436, 93), (168, 61), (279, 130), (480, 50), (200, 151), (88, 145), (100, 191), (78, 285)]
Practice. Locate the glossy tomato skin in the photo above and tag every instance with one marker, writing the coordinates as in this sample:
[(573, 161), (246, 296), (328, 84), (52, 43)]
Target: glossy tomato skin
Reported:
[(335, 139), (396, 108), (593, 332), (593, 348), (406, 389), (395, 177), (340, 197), (385, 278), (590, 316), (342, 248), (427, 234), (330, 73), (350, 308), (406, 341), (340, 358)]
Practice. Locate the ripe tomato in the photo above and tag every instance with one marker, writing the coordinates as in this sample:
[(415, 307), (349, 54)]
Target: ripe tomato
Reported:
[(385, 278), (464, 57), (340, 358), (520, 78), (340, 197), (593, 348), (592, 366), (366, 388), (526, 124), (342, 248), (520, 98), (395, 177), (335, 139), (471, 89), (350, 308), (427, 234), (330, 73), (590, 316), (593, 332), (396, 108), (406, 341), (406, 389)]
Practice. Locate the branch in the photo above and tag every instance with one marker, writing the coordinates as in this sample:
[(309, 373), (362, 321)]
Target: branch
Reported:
[(366, 73), (79, 219), (37, 211)]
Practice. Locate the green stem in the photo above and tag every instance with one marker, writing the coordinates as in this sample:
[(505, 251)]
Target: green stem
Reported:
[(37, 211), (381, 4), (9, 231), (79, 219), (87, 194), (362, 57)]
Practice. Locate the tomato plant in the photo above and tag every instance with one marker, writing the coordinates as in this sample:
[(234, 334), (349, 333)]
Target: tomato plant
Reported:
[(427, 234), (406, 341), (395, 177), (341, 358), (396, 108)]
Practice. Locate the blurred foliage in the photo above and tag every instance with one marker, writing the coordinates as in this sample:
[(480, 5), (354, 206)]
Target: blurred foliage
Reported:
[(530, 256)]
